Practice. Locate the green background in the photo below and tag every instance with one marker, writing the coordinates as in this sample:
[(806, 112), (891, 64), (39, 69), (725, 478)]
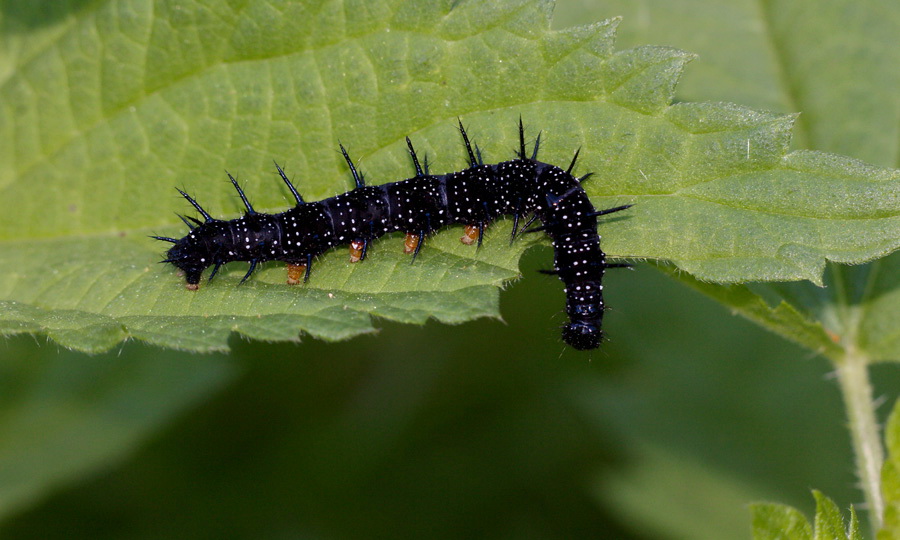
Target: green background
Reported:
[(487, 429)]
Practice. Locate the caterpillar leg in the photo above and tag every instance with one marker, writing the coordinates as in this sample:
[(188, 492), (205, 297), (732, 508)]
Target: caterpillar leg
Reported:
[(413, 244), (470, 235), (358, 249), (473, 233), (294, 271)]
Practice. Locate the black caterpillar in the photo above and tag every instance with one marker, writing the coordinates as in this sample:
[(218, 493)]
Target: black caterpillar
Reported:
[(419, 206)]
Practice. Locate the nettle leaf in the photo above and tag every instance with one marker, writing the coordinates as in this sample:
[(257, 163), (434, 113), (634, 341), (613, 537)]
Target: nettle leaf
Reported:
[(829, 58), (107, 108), (776, 521), (890, 478), (780, 522), (783, 522), (859, 307)]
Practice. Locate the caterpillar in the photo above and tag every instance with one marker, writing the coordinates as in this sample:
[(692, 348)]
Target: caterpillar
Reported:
[(419, 206)]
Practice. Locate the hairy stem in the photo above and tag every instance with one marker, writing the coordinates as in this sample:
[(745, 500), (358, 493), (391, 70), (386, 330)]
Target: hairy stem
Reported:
[(853, 376)]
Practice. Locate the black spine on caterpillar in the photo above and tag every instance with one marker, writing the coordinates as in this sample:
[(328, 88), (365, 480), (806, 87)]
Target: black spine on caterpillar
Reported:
[(418, 207)]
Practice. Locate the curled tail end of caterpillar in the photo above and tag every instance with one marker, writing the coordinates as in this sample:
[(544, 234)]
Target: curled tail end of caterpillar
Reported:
[(582, 336)]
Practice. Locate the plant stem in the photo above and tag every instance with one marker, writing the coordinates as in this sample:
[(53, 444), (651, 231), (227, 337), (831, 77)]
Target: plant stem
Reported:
[(853, 376)]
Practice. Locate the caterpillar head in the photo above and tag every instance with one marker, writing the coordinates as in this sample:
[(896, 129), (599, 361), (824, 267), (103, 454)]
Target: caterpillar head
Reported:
[(192, 254), (191, 257)]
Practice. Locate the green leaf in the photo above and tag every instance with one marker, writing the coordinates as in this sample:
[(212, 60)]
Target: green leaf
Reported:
[(890, 478), (833, 65), (776, 521), (838, 71), (779, 522), (830, 524), (109, 107)]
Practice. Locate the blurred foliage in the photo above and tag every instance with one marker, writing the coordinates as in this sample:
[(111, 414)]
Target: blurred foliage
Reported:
[(488, 429), (471, 431)]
